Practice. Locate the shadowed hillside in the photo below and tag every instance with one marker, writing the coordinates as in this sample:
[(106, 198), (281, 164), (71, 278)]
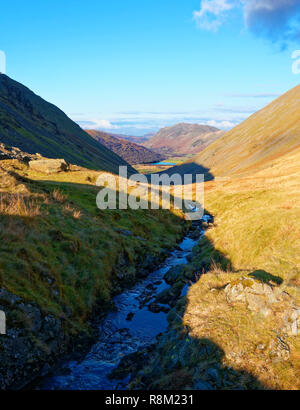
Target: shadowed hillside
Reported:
[(34, 125), (129, 151)]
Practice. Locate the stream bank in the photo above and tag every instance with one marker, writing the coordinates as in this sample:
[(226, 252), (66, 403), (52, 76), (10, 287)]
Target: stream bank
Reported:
[(140, 315), (36, 340)]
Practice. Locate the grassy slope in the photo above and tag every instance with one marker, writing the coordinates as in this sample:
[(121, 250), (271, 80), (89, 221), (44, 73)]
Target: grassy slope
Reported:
[(258, 218), (256, 232), (252, 145), (58, 250), (34, 125), (257, 229), (257, 214)]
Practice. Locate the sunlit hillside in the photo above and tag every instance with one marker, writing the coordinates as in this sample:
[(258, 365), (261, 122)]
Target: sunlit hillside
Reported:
[(265, 136)]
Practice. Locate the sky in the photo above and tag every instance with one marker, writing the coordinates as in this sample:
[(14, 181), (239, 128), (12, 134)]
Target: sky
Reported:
[(134, 66)]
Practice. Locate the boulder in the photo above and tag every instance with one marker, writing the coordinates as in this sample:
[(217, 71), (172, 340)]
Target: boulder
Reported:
[(266, 299), (49, 166), (7, 298), (14, 153), (292, 321), (195, 234), (258, 296), (174, 274)]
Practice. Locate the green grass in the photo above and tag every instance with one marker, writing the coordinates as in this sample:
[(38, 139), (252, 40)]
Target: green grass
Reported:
[(59, 251)]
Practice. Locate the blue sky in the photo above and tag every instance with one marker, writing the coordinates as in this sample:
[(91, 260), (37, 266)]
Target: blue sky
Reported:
[(133, 66)]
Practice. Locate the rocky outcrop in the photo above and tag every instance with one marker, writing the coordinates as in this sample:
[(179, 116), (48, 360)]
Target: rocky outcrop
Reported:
[(267, 300), (33, 341), (49, 166), (7, 152), (179, 360)]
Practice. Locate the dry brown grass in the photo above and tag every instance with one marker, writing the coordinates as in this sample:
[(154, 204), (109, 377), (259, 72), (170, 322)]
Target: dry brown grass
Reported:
[(240, 333), (58, 196), (17, 204), (256, 228), (77, 214)]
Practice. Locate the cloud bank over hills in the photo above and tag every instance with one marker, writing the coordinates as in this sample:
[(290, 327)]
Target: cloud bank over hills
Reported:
[(138, 123)]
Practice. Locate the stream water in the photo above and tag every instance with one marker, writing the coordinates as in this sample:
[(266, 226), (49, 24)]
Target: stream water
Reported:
[(124, 331)]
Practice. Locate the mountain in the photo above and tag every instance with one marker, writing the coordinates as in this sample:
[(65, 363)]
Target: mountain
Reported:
[(34, 125), (253, 145), (129, 151), (136, 140), (183, 139)]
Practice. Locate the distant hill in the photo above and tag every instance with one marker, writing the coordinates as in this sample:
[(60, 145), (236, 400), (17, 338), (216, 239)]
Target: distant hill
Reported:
[(34, 125), (129, 151), (183, 139), (136, 140), (266, 136)]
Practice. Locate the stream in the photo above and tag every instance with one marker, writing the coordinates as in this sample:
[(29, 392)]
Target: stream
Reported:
[(124, 331)]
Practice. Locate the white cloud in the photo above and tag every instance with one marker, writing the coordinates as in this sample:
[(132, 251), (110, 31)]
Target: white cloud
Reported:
[(225, 125), (212, 13), (254, 95), (140, 122), (277, 20), (92, 124)]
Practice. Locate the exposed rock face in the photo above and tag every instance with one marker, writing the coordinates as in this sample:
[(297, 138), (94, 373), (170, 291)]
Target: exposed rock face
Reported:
[(49, 166), (7, 152), (33, 340), (266, 299), (181, 360)]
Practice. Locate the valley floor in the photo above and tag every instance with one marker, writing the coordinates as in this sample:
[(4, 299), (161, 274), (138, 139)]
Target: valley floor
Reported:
[(237, 328)]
